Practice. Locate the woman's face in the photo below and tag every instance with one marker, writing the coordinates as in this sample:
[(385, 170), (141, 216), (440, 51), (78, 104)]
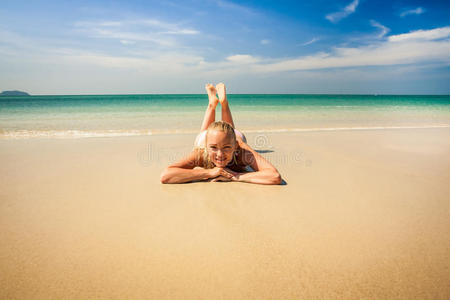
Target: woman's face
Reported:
[(220, 148)]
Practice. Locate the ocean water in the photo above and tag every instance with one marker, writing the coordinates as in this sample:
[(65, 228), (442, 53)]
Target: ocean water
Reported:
[(127, 115)]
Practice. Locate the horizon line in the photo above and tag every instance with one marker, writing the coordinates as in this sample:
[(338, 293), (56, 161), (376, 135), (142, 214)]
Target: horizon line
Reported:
[(137, 94)]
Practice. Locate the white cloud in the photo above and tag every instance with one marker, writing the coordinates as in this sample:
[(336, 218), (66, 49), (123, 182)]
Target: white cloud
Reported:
[(242, 59), (150, 30), (111, 24), (339, 15), (265, 42), (310, 42), (134, 68), (235, 7), (161, 63), (125, 42), (132, 36), (409, 49), (423, 46), (384, 29), (433, 34), (416, 11), (170, 27), (181, 31)]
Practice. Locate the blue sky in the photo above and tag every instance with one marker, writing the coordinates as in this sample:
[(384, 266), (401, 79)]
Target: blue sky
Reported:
[(106, 47)]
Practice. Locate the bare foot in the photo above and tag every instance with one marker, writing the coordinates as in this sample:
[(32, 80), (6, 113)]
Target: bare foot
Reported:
[(211, 90), (220, 87)]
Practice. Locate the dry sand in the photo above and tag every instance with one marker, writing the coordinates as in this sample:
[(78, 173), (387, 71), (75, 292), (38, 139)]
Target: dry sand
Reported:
[(363, 214)]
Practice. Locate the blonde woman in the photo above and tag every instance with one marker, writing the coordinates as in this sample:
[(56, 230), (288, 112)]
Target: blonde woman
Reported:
[(221, 152)]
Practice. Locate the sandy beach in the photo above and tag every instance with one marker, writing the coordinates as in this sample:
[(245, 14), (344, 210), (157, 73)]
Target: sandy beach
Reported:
[(363, 214)]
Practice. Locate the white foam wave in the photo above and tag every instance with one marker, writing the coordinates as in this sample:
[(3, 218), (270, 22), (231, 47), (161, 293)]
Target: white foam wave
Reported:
[(26, 134), (345, 128), (70, 134)]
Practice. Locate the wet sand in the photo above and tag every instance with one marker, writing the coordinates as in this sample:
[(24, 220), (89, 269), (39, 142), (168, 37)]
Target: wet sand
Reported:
[(362, 214)]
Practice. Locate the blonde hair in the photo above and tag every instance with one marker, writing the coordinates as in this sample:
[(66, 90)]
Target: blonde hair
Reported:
[(217, 126)]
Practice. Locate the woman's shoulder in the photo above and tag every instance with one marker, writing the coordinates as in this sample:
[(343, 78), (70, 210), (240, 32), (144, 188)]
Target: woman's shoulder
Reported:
[(244, 156)]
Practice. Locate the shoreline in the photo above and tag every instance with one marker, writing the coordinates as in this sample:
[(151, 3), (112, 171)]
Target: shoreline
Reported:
[(69, 134)]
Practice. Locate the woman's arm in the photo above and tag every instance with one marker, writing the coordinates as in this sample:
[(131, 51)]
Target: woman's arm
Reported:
[(180, 175), (260, 177), (265, 172), (185, 171)]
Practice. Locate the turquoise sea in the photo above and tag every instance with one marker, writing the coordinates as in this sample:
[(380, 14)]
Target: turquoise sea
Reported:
[(127, 115)]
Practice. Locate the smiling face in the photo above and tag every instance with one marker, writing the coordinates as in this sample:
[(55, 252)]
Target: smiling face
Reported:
[(220, 147)]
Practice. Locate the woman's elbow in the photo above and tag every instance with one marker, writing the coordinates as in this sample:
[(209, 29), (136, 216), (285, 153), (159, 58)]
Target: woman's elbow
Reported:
[(277, 178), (165, 177)]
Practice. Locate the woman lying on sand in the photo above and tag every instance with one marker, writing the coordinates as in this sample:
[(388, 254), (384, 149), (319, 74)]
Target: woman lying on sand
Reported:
[(221, 152)]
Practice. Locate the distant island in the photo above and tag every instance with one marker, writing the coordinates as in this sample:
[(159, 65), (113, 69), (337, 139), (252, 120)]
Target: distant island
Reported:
[(14, 93)]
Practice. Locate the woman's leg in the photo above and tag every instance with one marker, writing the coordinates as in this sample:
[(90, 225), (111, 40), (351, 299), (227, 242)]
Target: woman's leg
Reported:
[(226, 113), (210, 113)]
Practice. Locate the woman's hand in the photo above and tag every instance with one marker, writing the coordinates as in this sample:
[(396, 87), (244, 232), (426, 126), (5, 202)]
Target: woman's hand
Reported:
[(218, 172), (220, 178), (235, 176), (223, 174)]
